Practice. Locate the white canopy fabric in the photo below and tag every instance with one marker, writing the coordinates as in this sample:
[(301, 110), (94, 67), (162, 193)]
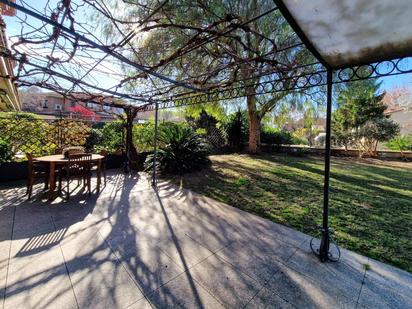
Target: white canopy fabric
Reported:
[(352, 32)]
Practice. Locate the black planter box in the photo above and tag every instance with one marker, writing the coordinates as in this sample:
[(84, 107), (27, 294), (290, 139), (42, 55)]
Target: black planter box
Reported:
[(10, 171), (115, 161)]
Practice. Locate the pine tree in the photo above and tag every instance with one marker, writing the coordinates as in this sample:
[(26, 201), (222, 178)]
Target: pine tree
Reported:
[(360, 112), (360, 102)]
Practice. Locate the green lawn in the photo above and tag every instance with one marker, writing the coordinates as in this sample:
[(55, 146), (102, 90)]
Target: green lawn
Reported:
[(370, 208)]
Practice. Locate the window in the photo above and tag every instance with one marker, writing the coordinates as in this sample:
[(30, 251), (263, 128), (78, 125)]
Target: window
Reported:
[(58, 107), (46, 104), (91, 105)]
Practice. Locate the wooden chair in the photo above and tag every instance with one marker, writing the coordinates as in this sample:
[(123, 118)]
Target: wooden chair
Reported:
[(36, 170), (103, 153), (79, 166), (72, 150)]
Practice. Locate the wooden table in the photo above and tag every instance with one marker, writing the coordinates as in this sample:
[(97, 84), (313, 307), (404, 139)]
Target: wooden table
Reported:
[(56, 160)]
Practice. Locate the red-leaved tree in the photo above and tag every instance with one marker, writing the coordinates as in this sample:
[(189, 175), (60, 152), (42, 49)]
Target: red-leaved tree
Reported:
[(84, 113)]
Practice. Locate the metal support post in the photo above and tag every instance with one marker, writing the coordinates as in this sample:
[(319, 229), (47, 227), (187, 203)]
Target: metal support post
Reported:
[(325, 241), (154, 178)]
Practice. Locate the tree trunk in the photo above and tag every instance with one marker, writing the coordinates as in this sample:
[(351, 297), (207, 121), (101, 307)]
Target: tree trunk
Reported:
[(254, 125), (375, 148), (310, 138)]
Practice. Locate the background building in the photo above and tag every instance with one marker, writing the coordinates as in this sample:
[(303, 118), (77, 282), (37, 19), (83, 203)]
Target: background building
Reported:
[(403, 117), (51, 105)]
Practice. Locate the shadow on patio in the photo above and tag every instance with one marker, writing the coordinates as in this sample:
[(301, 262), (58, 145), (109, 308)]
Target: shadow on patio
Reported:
[(131, 247)]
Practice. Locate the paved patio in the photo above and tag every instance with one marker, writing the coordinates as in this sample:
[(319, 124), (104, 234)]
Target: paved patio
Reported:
[(131, 248)]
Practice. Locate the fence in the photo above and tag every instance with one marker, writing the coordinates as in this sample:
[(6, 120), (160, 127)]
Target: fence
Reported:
[(381, 154), (25, 133)]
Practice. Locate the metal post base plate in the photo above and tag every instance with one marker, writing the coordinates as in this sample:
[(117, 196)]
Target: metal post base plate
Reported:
[(325, 248)]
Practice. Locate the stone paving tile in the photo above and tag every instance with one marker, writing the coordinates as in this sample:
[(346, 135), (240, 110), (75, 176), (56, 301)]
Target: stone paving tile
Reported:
[(350, 262), (183, 292), (114, 231), (55, 292), (266, 299), (283, 233), (82, 240), (141, 304), (31, 221), (38, 279), (272, 246), (4, 262), (107, 285), (302, 292), (389, 276), (139, 222), (258, 263), (346, 281), (183, 250), (99, 278), (145, 263), (229, 285), (6, 224), (7, 214), (209, 237), (12, 194), (213, 226), (176, 206), (377, 295), (224, 218)]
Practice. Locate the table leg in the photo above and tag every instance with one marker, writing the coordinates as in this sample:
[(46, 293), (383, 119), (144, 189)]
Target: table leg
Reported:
[(52, 183), (99, 174)]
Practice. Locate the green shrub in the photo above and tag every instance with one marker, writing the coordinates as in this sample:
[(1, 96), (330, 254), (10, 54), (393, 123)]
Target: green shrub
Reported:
[(400, 143), (210, 128), (112, 136), (374, 131), (27, 133), (201, 131), (181, 150), (237, 129), (299, 141), (5, 151), (143, 134), (94, 141), (274, 137)]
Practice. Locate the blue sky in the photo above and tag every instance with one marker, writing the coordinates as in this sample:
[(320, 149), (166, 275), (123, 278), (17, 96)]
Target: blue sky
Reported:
[(391, 82), (13, 28)]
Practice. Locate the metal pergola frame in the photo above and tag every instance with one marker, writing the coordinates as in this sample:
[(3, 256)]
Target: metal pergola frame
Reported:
[(323, 251), (322, 75)]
